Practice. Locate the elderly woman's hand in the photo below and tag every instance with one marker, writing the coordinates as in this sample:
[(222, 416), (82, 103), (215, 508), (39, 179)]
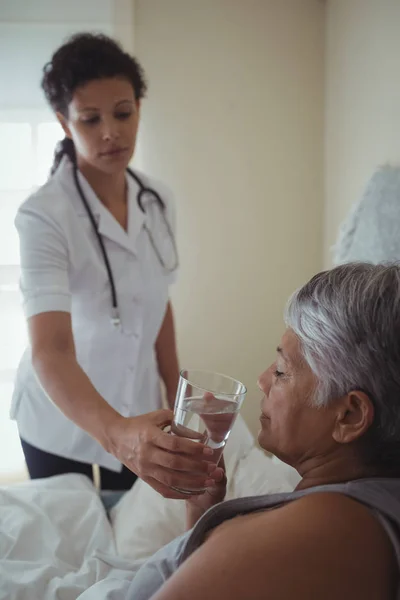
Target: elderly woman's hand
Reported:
[(162, 460), (196, 506)]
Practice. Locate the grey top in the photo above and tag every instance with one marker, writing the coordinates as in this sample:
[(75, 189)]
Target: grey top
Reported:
[(371, 232), (381, 496)]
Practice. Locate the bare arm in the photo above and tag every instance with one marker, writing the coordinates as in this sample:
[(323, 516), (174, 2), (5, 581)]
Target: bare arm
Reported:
[(167, 357), (54, 360), (323, 546), (158, 458)]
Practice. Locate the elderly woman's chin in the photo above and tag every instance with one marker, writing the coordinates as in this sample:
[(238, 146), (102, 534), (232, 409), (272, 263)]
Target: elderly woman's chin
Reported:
[(268, 441), (264, 434)]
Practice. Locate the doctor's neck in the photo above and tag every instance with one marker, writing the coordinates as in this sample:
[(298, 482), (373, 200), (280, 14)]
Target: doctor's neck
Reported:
[(110, 188)]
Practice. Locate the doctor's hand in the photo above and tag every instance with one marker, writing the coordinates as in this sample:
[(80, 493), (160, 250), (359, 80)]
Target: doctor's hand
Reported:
[(162, 460)]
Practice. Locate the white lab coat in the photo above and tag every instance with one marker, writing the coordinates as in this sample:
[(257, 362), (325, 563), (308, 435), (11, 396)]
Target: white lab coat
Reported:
[(62, 269)]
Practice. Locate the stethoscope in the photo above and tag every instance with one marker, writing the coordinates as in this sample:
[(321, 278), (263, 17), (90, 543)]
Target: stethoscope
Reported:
[(115, 314)]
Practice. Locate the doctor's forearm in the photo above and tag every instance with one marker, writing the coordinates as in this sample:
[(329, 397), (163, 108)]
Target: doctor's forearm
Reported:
[(167, 357), (71, 390)]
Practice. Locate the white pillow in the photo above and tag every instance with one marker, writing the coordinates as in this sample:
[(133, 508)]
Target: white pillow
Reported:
[(288, 473), (144, 521), (257, 474)]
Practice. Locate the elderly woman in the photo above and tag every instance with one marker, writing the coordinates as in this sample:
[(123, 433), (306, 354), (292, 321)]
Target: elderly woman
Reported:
[(331, 409)]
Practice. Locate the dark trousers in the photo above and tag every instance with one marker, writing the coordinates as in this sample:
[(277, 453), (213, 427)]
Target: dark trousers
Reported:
[(43, 464)]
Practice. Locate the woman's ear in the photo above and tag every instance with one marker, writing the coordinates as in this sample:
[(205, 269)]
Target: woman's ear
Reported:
[(64, 124), (354, 417)]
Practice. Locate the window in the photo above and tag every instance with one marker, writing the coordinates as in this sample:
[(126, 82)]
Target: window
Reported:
[(27, 146), (29, 32)]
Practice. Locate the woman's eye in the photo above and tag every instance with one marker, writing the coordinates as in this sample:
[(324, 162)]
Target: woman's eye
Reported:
[(123, 115), (278, 373), (92, 120)]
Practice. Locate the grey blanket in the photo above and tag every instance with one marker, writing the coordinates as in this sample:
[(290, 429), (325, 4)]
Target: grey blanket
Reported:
[(371, 232)]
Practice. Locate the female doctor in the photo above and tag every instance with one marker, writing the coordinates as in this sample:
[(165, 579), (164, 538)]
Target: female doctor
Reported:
[(98, 254)]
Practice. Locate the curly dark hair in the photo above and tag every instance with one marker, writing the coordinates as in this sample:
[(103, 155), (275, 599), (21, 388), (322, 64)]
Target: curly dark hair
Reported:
[(84, 57)]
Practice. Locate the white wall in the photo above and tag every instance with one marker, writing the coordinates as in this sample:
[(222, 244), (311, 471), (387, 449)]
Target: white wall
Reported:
[(362, 101), (234, 124)]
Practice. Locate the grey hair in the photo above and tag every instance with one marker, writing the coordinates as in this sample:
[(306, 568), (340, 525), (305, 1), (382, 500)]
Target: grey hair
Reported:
[(347, 320)]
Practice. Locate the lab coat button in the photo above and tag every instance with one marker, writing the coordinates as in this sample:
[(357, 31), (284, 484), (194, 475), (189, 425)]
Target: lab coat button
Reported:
[(132, 334)]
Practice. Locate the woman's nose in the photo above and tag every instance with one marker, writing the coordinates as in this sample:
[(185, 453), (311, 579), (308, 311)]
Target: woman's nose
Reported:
[(109, 131), (263, 382)]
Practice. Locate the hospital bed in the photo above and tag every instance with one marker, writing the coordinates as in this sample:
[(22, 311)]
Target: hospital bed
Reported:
[(62, 540)]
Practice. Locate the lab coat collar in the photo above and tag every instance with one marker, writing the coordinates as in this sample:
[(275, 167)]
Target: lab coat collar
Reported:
[(108, 226)]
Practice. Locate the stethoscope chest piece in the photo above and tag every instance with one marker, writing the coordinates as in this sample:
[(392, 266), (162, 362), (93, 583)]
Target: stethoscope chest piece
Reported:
[(115, 318)]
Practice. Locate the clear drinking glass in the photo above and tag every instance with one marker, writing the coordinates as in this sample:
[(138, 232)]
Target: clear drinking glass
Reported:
[(206, 408)]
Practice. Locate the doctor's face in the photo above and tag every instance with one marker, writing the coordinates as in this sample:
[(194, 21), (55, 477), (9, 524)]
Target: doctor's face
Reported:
[(102, 121)]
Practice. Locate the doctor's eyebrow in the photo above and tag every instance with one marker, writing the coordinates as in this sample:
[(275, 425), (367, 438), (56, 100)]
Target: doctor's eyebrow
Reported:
[(127, 100), (88, 108), (96, 108)]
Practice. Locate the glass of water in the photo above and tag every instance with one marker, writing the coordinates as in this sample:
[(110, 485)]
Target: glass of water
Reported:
[(206, 408)]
